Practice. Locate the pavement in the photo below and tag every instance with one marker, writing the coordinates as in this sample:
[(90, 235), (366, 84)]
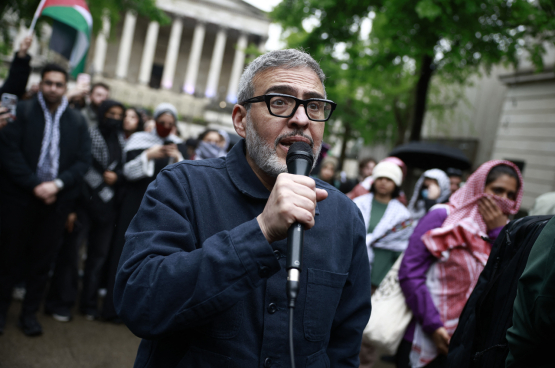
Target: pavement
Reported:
[(76, 344)]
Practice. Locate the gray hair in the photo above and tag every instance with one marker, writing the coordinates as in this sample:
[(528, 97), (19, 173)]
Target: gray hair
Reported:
[(286, 59)]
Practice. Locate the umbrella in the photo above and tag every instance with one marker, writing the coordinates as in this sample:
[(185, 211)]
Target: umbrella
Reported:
[(427, 155)]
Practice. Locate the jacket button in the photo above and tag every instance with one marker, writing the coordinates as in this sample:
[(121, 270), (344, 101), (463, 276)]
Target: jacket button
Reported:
[(272, 308), (267, 363), (263, 271), (277, 253)]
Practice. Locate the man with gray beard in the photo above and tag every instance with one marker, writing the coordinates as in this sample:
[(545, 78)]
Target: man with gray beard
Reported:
[(202, 275)]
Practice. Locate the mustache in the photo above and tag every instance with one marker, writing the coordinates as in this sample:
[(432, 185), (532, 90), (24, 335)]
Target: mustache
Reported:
[(294, 133)]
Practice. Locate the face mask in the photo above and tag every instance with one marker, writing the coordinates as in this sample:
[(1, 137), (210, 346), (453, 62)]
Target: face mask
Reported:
[(162, 131), (424, 193), (113, 123), (209, 150)]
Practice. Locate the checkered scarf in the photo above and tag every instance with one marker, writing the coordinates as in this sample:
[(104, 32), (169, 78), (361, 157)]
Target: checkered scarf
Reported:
[(49, 159), (461, 253)]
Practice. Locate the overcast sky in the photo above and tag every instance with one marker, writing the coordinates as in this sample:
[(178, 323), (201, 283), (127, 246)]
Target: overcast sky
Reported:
[(275, 30)]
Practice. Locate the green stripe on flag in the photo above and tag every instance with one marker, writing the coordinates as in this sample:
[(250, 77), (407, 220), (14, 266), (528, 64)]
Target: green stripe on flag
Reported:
[(69, 16)]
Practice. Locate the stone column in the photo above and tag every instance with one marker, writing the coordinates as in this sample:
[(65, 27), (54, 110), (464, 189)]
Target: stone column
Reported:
[(237, 68), (101, 46), (194, 59), (148, 53), (172, 53), (216, 64), (125, 45), (262, 45)]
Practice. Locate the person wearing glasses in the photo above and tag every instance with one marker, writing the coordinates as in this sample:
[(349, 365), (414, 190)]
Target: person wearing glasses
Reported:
[(202, 275), (44, 155)]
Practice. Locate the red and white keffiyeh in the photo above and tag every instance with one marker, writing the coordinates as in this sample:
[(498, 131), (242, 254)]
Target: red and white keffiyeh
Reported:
[(462, 255)]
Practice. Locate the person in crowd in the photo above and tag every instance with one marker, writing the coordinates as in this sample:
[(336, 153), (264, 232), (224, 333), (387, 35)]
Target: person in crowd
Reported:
[(327, 172), (364, 186), (455, 178), (388, 222), (544, 205), (100, 92), (20, 69), (431, 188), (210, 145), (96, 214), (191, 145), (388, 227), (530, 338), (132, 122), (44, 155), (16, 82), (146, 154), (365, 168), (202, 274), (447, 251)]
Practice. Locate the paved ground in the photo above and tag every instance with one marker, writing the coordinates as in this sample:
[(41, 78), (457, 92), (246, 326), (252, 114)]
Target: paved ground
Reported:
[(76, 344)]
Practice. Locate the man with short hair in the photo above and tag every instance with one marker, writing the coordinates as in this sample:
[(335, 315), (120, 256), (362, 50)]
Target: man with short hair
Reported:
[(43, 155), (202, 276), (100, 92)]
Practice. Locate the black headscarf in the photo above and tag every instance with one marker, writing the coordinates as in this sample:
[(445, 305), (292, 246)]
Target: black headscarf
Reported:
[(109, 128)]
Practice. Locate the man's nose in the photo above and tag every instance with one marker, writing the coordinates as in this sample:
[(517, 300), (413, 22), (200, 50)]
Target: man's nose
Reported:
[(300, 119)]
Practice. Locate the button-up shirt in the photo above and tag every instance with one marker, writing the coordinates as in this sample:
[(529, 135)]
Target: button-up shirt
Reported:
[(199, 282)]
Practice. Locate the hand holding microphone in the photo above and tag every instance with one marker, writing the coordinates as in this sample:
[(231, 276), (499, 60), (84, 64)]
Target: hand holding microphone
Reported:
[(293, 199)]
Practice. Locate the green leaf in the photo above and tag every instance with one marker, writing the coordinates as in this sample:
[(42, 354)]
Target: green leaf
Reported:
[(428, 9)]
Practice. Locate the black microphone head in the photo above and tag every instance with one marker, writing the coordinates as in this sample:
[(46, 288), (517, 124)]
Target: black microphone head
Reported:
[(300, 150)]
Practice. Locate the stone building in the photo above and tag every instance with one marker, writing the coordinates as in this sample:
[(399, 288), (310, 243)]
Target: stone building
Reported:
[(192, 62)]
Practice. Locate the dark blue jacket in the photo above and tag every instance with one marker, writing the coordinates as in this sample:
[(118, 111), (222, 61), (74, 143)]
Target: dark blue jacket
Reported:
[(200, 284)]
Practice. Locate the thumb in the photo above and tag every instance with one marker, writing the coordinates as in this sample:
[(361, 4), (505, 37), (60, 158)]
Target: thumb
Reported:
[(321, 194)]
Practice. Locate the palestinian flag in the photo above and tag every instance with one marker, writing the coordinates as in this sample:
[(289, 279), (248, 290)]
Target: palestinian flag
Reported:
[(71, 30)]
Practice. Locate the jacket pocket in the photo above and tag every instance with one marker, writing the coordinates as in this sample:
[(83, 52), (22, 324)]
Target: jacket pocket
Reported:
[(323, 291), (226, 324), (318, 360), (196, 357)]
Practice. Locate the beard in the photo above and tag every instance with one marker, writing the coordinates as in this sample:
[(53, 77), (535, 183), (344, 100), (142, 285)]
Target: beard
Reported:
[(265, 156)]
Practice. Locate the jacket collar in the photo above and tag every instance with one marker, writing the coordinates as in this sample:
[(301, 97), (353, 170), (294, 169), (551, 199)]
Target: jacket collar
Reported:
[(242, 175)]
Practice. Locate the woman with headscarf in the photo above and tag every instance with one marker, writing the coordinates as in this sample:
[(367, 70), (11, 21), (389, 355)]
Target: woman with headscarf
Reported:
[(99, 199), (146, 154), (210, 145), (431, 188), (446, 254)]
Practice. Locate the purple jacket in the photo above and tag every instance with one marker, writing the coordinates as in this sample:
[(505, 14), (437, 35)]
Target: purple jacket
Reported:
[(412, 274)]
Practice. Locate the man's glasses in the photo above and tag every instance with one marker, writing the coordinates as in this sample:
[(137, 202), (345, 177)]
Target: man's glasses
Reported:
[(285, 106)]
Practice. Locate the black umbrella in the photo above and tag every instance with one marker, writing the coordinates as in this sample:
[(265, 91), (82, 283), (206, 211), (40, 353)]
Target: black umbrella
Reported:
[(427, 155)]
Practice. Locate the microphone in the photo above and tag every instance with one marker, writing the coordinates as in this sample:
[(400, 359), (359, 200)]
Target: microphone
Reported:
[(299, 162)]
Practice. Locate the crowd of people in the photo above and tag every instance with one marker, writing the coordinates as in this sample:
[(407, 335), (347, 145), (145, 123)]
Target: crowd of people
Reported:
[(75, 169), (81, 181)]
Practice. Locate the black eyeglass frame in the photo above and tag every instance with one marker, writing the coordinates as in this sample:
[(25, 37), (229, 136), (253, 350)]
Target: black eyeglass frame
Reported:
[(298, 101)]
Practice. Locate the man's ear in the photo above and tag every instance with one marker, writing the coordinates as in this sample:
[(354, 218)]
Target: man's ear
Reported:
[(239, 117)]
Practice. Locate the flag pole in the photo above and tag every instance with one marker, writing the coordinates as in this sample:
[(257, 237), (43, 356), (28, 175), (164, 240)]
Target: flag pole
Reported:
[(35, 17)]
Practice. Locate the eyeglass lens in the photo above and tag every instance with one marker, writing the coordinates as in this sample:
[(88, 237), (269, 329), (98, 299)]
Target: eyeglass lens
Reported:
[(283, 106)]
